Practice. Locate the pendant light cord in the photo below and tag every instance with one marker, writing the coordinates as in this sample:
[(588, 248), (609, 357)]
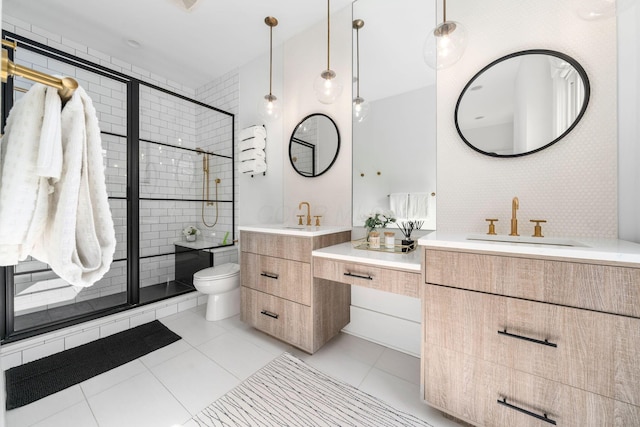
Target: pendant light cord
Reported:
[(444, 10), (270, 57), (358, 62), (328, 34)]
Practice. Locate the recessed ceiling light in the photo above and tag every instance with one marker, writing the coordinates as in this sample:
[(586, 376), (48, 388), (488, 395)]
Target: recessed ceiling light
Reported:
[(132, 43)]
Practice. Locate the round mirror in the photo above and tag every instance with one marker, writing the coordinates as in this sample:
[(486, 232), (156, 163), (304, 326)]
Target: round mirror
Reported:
[(522, 103), (314, 145)]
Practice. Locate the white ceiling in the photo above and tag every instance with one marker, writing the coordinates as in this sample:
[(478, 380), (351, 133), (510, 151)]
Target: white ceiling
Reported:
[(192, 47)]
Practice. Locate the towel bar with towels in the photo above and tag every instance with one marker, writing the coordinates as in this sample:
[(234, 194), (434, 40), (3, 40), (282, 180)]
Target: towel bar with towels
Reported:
[(253, 157)]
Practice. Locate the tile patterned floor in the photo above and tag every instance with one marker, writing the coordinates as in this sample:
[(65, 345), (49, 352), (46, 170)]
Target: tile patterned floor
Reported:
[(167, 387)]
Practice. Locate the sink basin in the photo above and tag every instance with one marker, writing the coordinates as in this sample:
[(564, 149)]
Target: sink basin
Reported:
[(553, 241)]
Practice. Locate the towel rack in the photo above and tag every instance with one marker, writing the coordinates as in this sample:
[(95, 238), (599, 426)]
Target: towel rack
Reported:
[(65, 85)]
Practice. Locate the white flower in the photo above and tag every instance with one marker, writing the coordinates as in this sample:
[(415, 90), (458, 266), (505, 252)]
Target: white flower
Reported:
[(190, 230)]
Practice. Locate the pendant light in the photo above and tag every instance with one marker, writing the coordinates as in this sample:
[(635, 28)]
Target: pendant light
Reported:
[(269, 108), (327, 86), (360, 106), (445, 44)]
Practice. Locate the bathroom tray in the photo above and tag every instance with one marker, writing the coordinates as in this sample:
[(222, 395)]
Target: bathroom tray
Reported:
[(398, 249)]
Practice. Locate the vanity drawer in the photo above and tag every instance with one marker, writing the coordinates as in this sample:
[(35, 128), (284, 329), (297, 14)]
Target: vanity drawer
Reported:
[(395, 281), (277, 245), (610, 289), (593, 351), (276, 276), (471, 389), (283, 319)]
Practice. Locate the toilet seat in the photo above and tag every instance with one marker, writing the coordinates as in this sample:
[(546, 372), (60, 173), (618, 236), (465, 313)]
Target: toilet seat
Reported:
[(218, 272)]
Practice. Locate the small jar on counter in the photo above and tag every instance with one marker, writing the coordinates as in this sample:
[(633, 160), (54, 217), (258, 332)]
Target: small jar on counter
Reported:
[(374, 240), (389, 239)]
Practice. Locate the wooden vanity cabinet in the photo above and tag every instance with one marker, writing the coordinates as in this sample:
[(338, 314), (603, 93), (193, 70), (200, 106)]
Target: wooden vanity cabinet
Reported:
[(499, 327), (279, 295)]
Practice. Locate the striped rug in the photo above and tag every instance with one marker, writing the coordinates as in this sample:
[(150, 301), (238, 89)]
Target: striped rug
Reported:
[(288, 392)]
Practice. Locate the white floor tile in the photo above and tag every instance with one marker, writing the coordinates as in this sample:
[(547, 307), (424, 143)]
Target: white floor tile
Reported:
[(141, 401), (78, 415), (357, 348), (402, 395), (339, 366), (165, 353), (192, 327), (108, 379), (262, 340), (400, 364), (44, 408), (194, 379), (238, 356)]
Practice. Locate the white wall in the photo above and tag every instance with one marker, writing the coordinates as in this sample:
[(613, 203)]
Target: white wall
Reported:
[(573, 184), (304, 59), (629, 121)]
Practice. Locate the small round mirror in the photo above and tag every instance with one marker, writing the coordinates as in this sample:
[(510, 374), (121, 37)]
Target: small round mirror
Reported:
[(314, 145), (522, 103)]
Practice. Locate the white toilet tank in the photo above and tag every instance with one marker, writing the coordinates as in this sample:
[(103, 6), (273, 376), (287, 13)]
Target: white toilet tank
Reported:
[(218, 279)]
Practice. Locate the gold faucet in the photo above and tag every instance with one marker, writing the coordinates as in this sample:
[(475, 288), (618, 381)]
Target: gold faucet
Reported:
[(515, 204), (308, 211)]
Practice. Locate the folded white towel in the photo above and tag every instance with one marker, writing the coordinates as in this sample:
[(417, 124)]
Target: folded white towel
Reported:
[(398, 203), (418, 205), (251, 154), (253, 131), (254, 142), (79, 239), (24, 196), (253, 166), (50, 150)]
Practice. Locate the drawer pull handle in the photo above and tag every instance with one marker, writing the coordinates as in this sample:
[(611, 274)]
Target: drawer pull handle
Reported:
[(545, 342), (543, 417), (358, 276), (270, 314), (270, 275)]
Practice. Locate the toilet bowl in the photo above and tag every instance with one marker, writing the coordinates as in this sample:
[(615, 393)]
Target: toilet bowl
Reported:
[(222, 284)]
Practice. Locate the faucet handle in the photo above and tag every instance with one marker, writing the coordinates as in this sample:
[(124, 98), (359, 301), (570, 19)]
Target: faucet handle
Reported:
[(492, 227), (299, 219), (537, 229), (317, 217)]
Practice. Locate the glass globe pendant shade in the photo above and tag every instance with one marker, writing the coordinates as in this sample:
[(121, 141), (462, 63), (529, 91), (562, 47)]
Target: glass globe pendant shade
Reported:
[(361, 109), (327, 87), (445, 45), (269, 108)]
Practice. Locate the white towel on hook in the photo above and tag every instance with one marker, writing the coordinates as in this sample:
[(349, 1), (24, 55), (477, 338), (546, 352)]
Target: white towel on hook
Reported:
[(253, 166), (31, 146), (418, 205), (252, 154), (253, 131), (79, 239), (255, 142), (398, 204)]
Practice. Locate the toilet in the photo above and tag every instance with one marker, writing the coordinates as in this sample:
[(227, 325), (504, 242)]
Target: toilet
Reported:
[(222, 284)]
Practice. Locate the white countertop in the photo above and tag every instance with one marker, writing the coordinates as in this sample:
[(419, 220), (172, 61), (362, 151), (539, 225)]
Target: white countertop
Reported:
[(295, 230), (610, 250), (347, 252)]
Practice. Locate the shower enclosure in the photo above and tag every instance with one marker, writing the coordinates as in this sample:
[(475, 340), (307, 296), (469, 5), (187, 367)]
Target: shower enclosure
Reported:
[(169, 163)]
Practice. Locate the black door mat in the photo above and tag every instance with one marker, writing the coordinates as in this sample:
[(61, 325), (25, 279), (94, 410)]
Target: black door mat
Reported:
[(34, 380)]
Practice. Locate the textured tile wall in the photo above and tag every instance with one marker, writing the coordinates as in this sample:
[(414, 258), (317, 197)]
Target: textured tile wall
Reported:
[(573, 184)]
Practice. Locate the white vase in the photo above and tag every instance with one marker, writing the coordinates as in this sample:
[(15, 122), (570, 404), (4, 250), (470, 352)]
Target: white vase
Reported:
[(191, 237)]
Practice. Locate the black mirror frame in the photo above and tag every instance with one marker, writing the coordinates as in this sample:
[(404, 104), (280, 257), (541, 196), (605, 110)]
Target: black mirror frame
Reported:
[(337, 148), (573, 62)]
